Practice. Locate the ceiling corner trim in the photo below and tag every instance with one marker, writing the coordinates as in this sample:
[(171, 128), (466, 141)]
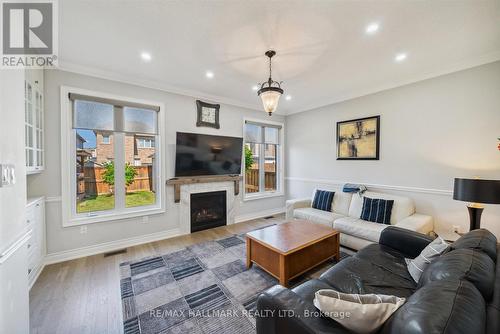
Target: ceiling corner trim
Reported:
[(150, 84)]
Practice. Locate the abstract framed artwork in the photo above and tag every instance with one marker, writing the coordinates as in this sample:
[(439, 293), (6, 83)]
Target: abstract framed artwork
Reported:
[(358, 139)]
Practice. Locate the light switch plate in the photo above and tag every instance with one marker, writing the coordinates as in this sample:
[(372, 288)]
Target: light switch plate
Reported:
[(7, 175)]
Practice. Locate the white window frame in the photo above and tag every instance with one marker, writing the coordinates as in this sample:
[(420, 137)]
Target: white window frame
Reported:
[(280, 161), (149, 140), (68, 170)]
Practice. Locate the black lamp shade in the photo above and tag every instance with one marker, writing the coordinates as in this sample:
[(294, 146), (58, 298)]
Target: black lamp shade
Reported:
[(477, 191)]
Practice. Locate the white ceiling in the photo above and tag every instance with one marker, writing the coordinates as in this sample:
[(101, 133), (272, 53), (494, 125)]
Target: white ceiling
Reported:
[(323, 53)]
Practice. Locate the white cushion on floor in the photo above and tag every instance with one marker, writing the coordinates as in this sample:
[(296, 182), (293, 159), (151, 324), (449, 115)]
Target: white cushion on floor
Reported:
[(317, 216), (359, 228)]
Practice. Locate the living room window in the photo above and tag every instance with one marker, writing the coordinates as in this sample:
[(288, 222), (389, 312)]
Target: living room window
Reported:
[(117, 170), (263, 159)]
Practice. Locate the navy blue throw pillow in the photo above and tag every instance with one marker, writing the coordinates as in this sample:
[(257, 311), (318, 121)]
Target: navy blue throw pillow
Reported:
[(377, 210), (323, 200)]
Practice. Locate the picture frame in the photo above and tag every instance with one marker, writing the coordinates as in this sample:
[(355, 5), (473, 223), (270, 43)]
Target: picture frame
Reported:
[(359, 139), (208, 114)]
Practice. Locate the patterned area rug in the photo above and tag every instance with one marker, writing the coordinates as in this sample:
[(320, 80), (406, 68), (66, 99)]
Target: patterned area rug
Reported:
[(204, 288)]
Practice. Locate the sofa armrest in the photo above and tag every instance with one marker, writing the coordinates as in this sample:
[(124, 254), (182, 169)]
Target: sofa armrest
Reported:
[(408, 242), (418, 223), (280, 310), (295, 204)]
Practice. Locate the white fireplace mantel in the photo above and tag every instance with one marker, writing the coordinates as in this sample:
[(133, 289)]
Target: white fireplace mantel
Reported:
[(185, 191)]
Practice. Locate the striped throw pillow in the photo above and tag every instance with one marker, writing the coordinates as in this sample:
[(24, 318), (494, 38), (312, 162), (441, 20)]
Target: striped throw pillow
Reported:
[(377, 210), (323, 200), (433, 250)]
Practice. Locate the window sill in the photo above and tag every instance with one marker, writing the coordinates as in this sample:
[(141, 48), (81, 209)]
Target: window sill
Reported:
[(256, 196), (84, 220)]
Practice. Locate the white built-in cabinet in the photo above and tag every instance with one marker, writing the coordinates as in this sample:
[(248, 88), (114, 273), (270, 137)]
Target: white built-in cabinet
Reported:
[(34, 121), (35, 220)]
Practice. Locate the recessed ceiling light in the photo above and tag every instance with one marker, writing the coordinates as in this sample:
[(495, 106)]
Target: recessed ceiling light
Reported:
[(400, 57), (145, 56), (255, 87), (209, 74), (288, 97), (372, 28)]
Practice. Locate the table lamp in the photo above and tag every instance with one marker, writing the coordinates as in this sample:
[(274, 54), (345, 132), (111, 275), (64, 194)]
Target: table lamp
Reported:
[(477, 192)]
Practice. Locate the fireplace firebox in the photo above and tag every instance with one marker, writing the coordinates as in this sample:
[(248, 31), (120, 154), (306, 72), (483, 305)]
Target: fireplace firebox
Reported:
[(208, 210)]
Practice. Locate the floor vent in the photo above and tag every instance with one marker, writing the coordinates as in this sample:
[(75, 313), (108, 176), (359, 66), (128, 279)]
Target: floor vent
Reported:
[(116, 252)]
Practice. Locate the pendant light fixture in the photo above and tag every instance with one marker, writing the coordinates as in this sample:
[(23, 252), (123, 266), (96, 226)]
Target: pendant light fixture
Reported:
[(270, 91)]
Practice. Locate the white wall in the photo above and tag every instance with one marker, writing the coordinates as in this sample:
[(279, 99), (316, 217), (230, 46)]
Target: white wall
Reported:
[(180, 116), (14, 315), (431, 132)]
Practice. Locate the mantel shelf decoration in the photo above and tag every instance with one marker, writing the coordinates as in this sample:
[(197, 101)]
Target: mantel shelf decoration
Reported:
[(177, 182)]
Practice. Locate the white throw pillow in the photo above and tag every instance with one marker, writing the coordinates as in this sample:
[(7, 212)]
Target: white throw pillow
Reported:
[(433, 250), (359, 313)]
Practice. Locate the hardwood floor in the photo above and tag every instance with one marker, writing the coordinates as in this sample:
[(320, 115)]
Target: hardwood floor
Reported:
[(83, 295)]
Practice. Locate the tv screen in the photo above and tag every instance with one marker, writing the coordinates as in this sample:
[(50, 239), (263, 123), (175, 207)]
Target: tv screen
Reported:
[(198, 155)]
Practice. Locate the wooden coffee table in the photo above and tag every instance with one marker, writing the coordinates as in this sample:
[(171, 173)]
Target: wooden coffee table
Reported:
[(287, 250)]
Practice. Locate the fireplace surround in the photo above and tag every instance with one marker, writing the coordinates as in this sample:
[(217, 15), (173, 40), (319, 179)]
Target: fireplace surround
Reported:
[(208, 210)]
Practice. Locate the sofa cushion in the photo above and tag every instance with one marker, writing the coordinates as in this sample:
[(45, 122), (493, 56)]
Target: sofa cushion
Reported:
[(323, 200), (385, 257), (447, 307), (493, 306), (479, 239), (359, 228), (402, 208), (430, 253), (362, 314), (356, 275), (317, 216), (463, 264), (307, 289), (341, 201), (377, 210), (281, 301)]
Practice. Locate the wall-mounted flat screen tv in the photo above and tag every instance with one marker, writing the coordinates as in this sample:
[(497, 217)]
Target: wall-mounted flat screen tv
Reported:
[(198, 155)]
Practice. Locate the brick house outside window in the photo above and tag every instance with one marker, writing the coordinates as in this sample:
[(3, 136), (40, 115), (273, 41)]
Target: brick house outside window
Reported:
[(139, 149)]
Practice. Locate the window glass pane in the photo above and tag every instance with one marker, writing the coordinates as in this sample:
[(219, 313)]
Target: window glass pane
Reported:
[(94, 172), (253, 133), (140, 170), (37, 110), (271, 136), (270, 171), (30, 137), (139, 120), (93, 115), (252, 167), (30, 158)]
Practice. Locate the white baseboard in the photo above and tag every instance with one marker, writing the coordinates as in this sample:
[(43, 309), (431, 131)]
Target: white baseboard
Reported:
[(259, 214), (109, 246), (129, 242), (39, 270)]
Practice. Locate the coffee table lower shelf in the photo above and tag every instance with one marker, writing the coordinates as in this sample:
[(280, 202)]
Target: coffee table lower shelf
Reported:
[(286, 266)]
